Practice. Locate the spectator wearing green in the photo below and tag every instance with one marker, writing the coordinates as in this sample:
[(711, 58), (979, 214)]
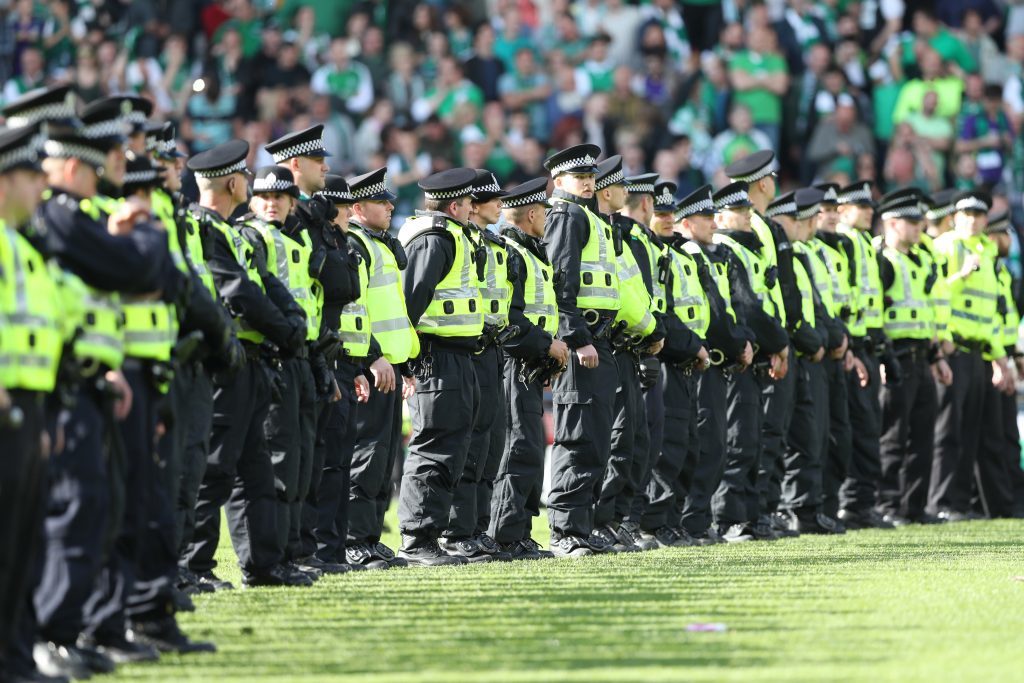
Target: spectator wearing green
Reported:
[(930, 30), (934, 130), (739, 140), (760, 78), (948, 90), (331, 15), (450, 91), (345, 79), (249, 27), (595, 74), (526, 88)]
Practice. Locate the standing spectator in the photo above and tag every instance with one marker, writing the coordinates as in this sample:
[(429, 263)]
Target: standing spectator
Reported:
[(513, 37), (245, 21), (404, 86), (666, 15), (450, 90), (369, 136), (564, 35), (929, 30), (760, 79), (88, 79), (330, 15), (739, 140), (460, 37), (621, 21), (982, 47), (339, 134), (986, 134), (526, 88), (57, 43), (31, 75), (819, 58), (627, 108), (566, 97), (407, 165), (484, 68), (934, 131), (595, 74), (838, 140), (965, 172), (27, 27), (692, 119), (689, 177), (210, 111), (344, 79), (529, 162), (372, 55)]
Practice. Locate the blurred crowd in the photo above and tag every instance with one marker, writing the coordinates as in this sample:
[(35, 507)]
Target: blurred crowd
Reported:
[(927, 94)]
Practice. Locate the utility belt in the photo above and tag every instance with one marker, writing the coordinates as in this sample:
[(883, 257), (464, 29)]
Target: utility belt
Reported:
[(600, 323), (869, 346), (159, 373), (539, 369), (423, 366), (493, 335), (912, 349), (970, 345)]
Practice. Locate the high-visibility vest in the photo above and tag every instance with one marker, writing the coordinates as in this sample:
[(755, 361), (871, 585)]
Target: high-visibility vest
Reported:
[(599, 280), (719, 273), (384, 299), (867, 296), (689, 302), (837, 267), (755, 267), (540, 306), (769, 257), (354, 322), (456, 308), (654, 256), (635, 302), (1010, 318), (288, 261), (164, 205), (31, 337), (939, 296), (495, 289), (973, 299), (242, 251), (821, 279), (908, 313), (803, 285)]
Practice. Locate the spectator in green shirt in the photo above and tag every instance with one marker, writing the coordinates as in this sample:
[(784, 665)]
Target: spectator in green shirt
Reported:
[(346, 80), (936, 132), (928, 28), (451, 90), (760, 78), (948, 89)]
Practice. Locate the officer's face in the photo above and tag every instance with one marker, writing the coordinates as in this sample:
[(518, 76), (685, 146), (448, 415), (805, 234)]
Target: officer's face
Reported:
[(805, 228), (970, 222), (375, 215), (908, 233), (172, 173), (272, 206), (312, 171), (341, 218), (737, 218), (114, 169), (701, 228), (461, 208), (856, 216), (488, 212), (827, 218), (21, 191), (662, 222), (579, 184), (615, 197)]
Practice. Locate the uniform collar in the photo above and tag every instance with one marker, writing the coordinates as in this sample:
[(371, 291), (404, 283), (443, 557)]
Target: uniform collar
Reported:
[(590, 204)]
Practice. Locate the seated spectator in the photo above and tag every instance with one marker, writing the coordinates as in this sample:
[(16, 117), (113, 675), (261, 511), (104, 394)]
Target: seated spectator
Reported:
[(760, 78), (911, 161), (485, 68), (629, 109), (739, 140), (839, 139), (450, 90), (564, 35), (525, 87), (344, 79), (929, 30), (985, 133), (514, 37)]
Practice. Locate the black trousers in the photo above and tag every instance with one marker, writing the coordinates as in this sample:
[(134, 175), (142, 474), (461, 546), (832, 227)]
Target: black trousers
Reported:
[(1012, 451), (378, 440), (82, 502), (238, 474), (654, 408), (465, 511), (992, 470), (443, 411), (906, 446), (329, 499), (957, 434), (172, 444), (22, 490), (628, 421), (736, 500), (631, 503), (712, 428), (584, 409), (520, 475), (779, 400), (679, 449), (198, 421), (807, 440), (859, 491), (840, 435), (489, 468)]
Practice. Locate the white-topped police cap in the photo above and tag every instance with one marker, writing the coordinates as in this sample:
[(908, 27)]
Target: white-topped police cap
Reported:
[(609, 172), (139, 173), (579, 159), (940, 204), (222, 160), (642, 183), (58, 104), (372, 186), (733, 195), (68, 142), (18, 149), (698, 203), (783, 205), (304, 143), (450, 184), (752, 167), (808, 202), (973, 200), (107, 117), (664, 196), (998, 223), (858, 192), (902, 203), (531, 192), (486, 186), (336, 190), (274, 179), (830, 191)]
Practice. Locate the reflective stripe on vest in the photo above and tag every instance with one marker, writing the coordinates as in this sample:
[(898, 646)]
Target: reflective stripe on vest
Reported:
[(973, 299), (689, 302), (599, 282), (495, 290), (755, 271), (868, 294), (908, 312), (385, 300), (242, 251), (803, 284), (540, 306), (288, 260), (657, 291)]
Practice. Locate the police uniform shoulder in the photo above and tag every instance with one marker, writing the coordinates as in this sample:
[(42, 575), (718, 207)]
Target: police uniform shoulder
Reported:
[(691, 247), (493, 238), (421, 226)]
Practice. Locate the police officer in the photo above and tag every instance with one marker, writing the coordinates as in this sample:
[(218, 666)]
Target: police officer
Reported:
[(238, 468), (443, 299), (472, 492), (730, 351), (534, 356), (582, 254), (302, 152), (908, 410), (30, 353), (737, 502), (393, 341)]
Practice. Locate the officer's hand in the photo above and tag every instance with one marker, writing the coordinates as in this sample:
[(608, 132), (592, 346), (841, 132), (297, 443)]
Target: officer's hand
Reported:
[(703, 359), (947, 347), (362, 388), (408, 387), (383, 375), (321, 209), (297, 337), (587, 356), (336, 390), (123, 402), (942, 372), (818, 355), (857, 365), (970, 265), (656, 347), (5, 400), (840, 351), (559, 350), (747, 357), (1018, 362), (128, 214), (883, 375), (779, 364)]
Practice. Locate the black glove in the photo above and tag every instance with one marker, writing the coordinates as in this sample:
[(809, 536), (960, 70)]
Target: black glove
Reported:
[(893, 372), (650, 369), (297, 337), (189, 347), (322, 377), (329, 345), (321, 209), (317, 261), (276, 382)]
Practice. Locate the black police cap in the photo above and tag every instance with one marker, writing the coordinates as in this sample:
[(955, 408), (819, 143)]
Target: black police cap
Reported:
[(222, 160), (140, 173), (336, 190), (700, 202), (609, 172), (973, 200), (274, 179), (665, 196), (783, 205), (752, 167), (18, 149), (642, 183), (372, 186), (998, 223), (486, 187), (858, 193), (531, 192), (308, 142), (450, 184), (58, 104), (903, 203), (578, 159), (808, 202), (940, 204), (107, 117), (68, 142), (733, 195), (831, 192)]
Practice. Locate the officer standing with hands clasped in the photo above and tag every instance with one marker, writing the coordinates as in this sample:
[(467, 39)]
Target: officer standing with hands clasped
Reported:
[(442, 294), (535, 356)]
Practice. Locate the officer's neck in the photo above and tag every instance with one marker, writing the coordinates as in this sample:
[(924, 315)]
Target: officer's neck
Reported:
[(589, 203), (221, 204), (637, 215), (894, 242), (355, 222), (759, 200)]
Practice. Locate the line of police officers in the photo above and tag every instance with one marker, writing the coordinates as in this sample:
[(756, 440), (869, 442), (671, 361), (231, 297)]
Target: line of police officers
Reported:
[(730, 367)]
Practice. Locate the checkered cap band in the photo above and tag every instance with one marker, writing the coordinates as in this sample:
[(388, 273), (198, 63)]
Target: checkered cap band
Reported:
[(640, 188), (730, 199), (236, 167), (69, 150), (379, 188), (971, 204), (913, 211), (665, 198), (139, 177), (21, 155), (491, 186), (335, 196), (135, 117), (154, 143), (535, 198), (939, 212), (106, 129), (585, 160), (54, 110), (854, 196), (612, 179), (449, 194), (809, 212), (271, 184), (702, 206), (781, 209), (300, 150), (766, 170), (831, 195)]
